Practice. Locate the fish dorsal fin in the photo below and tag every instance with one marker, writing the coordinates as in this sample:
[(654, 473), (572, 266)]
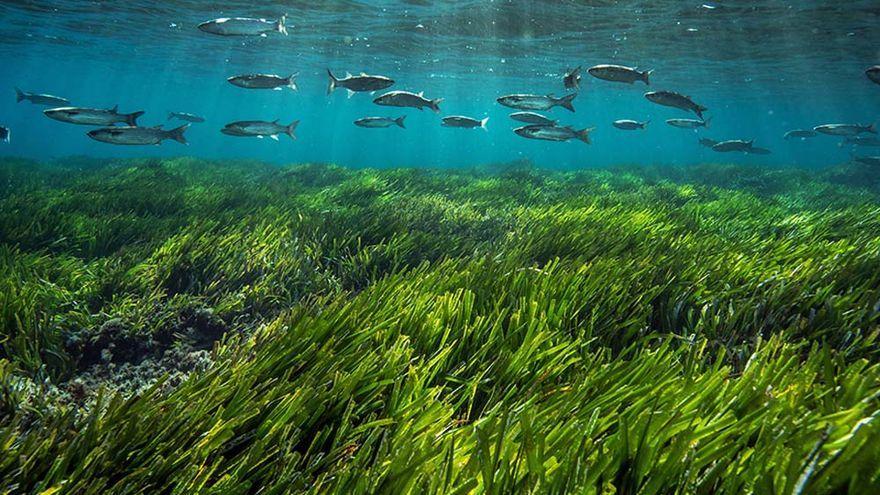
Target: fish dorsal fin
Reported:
[(363, 74), (275, 121), (347, 74), (422, 94), (115, 109)]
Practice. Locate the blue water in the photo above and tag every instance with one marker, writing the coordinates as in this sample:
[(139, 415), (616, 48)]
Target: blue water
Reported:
[(761, 67)]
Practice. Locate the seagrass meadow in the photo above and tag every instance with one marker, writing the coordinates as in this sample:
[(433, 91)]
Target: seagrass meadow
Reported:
[(179, 326)]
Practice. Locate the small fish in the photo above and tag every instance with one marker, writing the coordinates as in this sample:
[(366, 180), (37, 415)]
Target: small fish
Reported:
[(733, 145), (708, 142), (532, 118), (5, 134), (244, 26), (845, 129), (873, 73), (630, 125), (572, 78), (188, 117), (361, 83), (407, 99), (873, 161), (675, 100), (619, 73), (549, 133), (260, 129), (378, 122), (263, 81), (39, 99), (800, 134), (689, 123), (138, 135), (464, 122), (92, 116), (537, 102), (869, 141)]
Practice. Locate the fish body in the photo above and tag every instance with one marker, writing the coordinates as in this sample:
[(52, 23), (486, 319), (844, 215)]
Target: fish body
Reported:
[(92, 116), (845, 129), (407, 99), (5, 134), (553, 133), (188, 117), (362, 83), (572, 78), (465, 122), (532, 118), (380, 122), (873, 73), (800, 134), (263, 81), (630, 125), (40, 99), (260, 129), (873, 161), (619, 73), (244, 26), (138, 135), (867, 141), (708, 142), (688, 123), (675, 100), (733, 145), (537, 102)]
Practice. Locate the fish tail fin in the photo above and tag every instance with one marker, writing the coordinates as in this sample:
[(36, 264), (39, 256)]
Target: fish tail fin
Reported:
[(435, 105), (280, 25), (699, 111), (399, 121), (565, 102), (584, 134), (291, 81), (19, 95), (333, 81), (177, 134), (872, 128), (645, 124), (646, 76), (170, 115), (707, 122), (131, 119), (483, 124), (289, 130)]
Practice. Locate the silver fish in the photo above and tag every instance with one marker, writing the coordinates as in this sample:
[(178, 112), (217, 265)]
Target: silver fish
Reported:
[(260, 129), (873, 73), (407, 99), (264, 81), (466, 122), (733, 145), (244, 26), (630, 125), (869, 141), (549, 133), (572, 78), (188, 117), (800, 134), (92, 116), (5, 134), (532, 118), (845, 129), (40, 99), (675, 100), (689, 123), (377, 122), (362, 83), (873, 161), (708, 142), (619, 73), (138, 135), (537, 102)]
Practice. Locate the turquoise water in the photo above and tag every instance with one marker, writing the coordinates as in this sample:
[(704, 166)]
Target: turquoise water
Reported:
[(762, 68)]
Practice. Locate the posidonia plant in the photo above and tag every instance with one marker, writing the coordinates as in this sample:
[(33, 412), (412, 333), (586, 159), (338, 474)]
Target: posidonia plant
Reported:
[(710, 329)]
